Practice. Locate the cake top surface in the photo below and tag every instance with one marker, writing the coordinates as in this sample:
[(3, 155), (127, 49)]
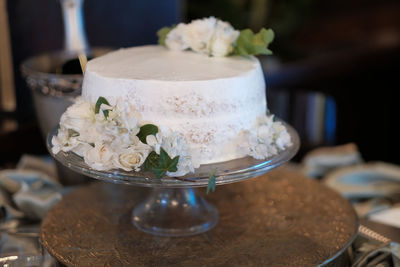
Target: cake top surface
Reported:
[(154, 62)]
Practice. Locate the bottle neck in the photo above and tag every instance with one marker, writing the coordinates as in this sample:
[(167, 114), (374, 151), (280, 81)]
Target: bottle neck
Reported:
[(75, 41)]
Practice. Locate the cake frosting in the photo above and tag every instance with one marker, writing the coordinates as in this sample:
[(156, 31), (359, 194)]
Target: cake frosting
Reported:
[(208, 101)]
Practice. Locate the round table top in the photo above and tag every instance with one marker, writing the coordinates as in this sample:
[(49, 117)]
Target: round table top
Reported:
[(279, 219)]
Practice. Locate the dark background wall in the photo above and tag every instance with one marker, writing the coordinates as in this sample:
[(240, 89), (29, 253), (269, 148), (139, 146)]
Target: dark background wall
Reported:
[(348, 51), (37, 27)]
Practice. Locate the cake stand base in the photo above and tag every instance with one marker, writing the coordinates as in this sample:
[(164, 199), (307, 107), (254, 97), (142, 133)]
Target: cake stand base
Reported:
[(174, 212), (278, 219)]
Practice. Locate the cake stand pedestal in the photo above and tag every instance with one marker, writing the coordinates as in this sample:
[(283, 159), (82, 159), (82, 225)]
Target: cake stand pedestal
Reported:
[(279, 219), (173, 208), (174, 212)]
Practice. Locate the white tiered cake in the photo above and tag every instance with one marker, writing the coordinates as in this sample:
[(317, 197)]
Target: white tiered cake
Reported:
[(209, 101)]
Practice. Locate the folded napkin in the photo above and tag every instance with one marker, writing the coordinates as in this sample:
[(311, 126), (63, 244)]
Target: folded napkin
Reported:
[(26, 192), (322, 160), (371, 187)]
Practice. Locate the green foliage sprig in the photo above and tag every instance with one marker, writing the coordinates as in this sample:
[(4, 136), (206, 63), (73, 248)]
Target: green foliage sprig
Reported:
[(160, 164), (145, 130), (162, 34), (211, 182), (101, 100), (250, 43)]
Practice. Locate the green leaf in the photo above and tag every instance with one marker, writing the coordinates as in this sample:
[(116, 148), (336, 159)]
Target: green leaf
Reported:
[(165, 164), (159, 172), (101, 100), (72, 133), (151, 161), (146, 130), (249, 43), (243, 43), (211, 182), (162, 34), (267, 35)]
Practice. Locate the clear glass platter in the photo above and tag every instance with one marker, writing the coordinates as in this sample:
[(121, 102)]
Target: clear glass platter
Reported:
[(174, 208), (225, 172)]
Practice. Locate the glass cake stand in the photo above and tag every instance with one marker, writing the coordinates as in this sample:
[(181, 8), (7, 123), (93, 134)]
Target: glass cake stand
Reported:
[(173, 208)]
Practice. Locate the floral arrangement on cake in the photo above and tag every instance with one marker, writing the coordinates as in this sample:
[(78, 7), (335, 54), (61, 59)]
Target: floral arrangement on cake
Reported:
[(113, 137), (215, 37)]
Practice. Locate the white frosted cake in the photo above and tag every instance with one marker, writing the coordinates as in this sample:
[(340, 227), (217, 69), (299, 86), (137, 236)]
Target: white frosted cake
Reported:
[(209, 101), (197, 98)]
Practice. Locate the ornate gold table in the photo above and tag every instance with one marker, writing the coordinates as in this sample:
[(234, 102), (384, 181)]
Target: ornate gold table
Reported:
[(278, 219)]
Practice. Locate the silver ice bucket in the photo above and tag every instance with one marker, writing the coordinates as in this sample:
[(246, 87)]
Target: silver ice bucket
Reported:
[(52, 94)]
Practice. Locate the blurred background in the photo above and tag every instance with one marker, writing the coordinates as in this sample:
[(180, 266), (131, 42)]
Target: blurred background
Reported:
[(333, 75)]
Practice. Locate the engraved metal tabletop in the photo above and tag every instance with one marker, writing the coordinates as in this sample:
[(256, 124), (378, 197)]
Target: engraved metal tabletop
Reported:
[(279, 219)]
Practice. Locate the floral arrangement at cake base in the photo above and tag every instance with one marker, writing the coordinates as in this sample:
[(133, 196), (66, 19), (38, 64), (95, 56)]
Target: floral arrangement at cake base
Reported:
[(113, 137)]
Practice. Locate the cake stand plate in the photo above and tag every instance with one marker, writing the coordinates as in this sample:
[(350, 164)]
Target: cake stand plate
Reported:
[(279, 219), (173, 208)]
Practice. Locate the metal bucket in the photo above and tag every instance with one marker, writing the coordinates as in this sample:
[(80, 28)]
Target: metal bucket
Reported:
[(52, 94)]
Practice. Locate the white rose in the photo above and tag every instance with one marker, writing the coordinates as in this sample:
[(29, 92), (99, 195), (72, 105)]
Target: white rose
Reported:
[(99, 157), (174, 39), (223, 38), (131, 158), (198, 34)]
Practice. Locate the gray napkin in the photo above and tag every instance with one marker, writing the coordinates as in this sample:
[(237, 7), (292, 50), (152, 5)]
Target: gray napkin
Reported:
[(370, 187), (26, 192)]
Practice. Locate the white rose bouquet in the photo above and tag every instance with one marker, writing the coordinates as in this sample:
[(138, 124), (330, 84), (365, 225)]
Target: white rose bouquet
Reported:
[(215, 37)]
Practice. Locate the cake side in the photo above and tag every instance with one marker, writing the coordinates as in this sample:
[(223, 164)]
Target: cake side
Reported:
[(208, 114)]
